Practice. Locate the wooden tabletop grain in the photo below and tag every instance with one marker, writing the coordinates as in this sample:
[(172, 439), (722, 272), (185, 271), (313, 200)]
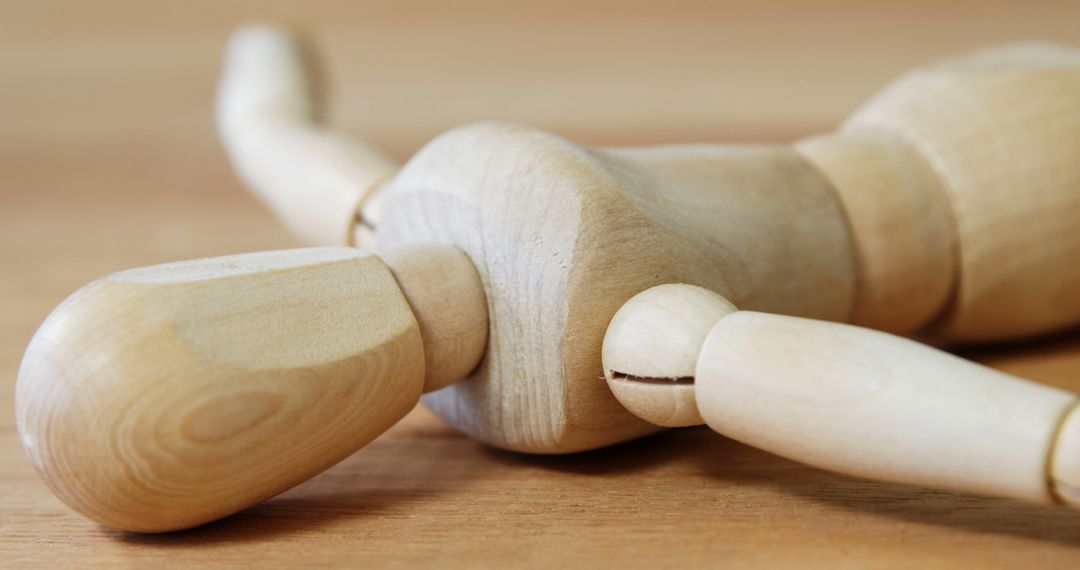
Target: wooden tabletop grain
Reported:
[(108, 160)]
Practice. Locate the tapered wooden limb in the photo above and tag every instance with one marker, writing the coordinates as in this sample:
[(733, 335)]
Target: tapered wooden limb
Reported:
[(164, 397), (314, 179), (845, 398)]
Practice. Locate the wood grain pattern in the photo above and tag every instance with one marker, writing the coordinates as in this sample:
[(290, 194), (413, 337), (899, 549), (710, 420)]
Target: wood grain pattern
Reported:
[(109, 161), (1016, 267), (562, 235), (164, 397)]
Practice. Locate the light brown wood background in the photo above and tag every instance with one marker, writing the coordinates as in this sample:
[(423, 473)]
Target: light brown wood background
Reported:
[(108, 160)]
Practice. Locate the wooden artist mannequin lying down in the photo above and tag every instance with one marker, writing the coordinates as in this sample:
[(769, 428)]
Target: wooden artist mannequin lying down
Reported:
[(946, 208)]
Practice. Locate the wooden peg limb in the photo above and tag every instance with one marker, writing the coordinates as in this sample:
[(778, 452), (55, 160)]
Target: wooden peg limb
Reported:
[(161, 398), (847, 399), (314, 179)]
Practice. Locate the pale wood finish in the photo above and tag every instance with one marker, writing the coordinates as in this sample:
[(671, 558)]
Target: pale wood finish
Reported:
[(901, 225), (561, 236), (316, 180), (145, 404), (872, 224), (845, 398), (651, 350), (940, 177), (1001, 130), (448, 301), (165, 397), (875, 405), (98, 177)]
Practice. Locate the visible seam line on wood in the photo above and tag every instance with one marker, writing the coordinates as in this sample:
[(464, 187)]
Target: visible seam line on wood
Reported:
[(675, 381)]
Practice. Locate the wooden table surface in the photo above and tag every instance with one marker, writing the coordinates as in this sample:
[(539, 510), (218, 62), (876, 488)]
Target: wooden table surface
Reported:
[(108, 160)]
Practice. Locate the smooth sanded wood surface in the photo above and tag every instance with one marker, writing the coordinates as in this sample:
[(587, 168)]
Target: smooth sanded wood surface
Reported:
[(108, 160)]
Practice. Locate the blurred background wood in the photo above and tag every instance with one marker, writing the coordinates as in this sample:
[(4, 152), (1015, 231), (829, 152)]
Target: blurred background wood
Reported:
[(109, 160)]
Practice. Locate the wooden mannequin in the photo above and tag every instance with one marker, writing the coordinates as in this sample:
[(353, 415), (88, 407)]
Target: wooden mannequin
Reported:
[(948, 207)]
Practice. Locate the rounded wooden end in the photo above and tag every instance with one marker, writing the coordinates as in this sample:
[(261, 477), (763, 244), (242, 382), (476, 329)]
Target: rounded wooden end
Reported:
[(166, 397), (651, 348)]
